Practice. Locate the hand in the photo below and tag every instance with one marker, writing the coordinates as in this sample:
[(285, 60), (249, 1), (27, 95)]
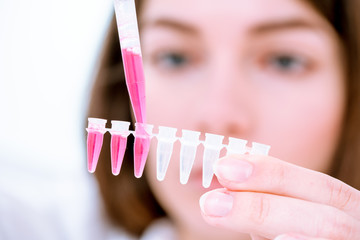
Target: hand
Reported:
[(267, 197)]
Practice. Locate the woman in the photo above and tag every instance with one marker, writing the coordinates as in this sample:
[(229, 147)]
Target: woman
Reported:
[(279, 72)]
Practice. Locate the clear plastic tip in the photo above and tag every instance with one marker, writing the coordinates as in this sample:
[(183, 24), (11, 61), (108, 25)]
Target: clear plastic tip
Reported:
[(166, 139), (189, 143), (213, 146)]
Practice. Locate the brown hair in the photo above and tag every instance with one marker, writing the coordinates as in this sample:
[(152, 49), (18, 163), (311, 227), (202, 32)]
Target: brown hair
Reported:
[(130, 202), (344, 18)]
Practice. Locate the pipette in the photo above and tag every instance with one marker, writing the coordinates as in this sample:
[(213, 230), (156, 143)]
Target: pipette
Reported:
[(125, 12), (126, 19)]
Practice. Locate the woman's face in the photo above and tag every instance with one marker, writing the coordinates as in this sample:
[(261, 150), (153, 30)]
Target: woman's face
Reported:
[(265, 71)]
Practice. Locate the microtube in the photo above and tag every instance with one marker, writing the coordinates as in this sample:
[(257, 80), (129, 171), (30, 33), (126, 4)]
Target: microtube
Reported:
[(143, 134), (212, 148), (166, 138), (95, 138), (119, 132), (189, 143)]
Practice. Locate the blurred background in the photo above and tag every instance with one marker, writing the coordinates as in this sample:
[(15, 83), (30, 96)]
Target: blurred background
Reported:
[(48, 54)]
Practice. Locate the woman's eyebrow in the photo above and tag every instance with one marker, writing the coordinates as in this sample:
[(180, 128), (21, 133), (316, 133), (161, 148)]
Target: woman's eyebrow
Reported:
[(283, 25), (170, 24), (259, 28)]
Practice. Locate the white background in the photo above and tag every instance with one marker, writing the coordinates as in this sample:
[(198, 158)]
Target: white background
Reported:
[(48, 53)]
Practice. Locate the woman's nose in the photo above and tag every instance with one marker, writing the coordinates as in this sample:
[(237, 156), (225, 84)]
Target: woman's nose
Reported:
[(226, 100)]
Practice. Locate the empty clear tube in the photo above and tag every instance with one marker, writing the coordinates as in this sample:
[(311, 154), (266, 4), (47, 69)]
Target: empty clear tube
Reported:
[(189, 143), (212, 148), (95, 138), (166, 139)]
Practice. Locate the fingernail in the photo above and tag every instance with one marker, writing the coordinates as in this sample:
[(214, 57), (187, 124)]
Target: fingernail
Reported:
[(216, 204), (233, 170)]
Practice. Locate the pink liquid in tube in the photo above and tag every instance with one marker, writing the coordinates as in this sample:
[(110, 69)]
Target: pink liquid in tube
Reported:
[(118, 147), (141, 149), (94, 144), (135, 80)]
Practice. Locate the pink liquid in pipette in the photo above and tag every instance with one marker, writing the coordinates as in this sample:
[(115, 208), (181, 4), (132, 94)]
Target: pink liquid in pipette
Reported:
[(118, 147), (94, 144), (135, 80)]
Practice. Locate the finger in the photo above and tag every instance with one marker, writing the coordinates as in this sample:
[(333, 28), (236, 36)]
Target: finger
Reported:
[(297, 237), (267, 174), (270, 215)]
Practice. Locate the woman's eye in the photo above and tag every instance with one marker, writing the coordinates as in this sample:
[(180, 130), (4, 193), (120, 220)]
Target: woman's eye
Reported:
[(287, 63), (171, 60)]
